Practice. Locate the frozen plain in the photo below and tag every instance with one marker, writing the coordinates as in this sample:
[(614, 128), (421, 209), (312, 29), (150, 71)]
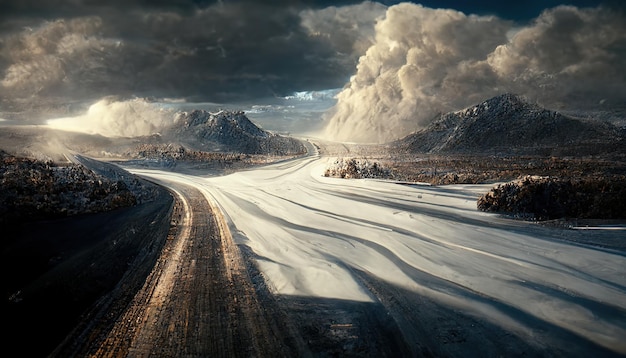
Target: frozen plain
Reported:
[(311, 235)]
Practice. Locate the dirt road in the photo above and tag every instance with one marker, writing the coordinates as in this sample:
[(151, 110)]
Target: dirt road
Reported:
[(197, 301), (207, 296), (374, 268)]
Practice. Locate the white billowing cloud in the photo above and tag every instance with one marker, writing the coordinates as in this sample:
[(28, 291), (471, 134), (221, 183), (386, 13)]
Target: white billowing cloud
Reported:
[(350, 29), (429, 61), (131, 118), (420, 61), (568, 55)]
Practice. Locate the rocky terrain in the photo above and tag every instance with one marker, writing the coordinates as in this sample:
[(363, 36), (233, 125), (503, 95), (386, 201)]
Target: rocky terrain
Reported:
[(227, 131), (210, 143), (510, 125), (34, 189), (38, 181), (199, 140)]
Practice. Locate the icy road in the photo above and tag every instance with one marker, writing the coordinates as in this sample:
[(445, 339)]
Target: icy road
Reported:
[(318, 237)]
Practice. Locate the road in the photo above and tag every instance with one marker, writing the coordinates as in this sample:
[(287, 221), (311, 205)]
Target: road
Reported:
[(455, 281), (198, 300)]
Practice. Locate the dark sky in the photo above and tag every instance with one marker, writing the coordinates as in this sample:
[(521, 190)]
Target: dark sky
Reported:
[(52, 50), (514, 10)]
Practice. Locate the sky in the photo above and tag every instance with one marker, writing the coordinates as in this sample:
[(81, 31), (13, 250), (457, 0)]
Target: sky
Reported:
[(56, 52)]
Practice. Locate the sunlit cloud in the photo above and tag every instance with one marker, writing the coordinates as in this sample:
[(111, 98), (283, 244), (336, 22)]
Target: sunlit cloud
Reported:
[(349, 29), (400, 65), (430, 61), (218, 52), (110, 118)]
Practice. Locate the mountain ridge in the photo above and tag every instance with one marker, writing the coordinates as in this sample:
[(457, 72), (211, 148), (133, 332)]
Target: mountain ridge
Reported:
[(510, 124), (229, 131)]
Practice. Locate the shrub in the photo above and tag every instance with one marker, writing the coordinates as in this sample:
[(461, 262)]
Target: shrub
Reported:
[(32, 189), (357, 169), (547, 198)]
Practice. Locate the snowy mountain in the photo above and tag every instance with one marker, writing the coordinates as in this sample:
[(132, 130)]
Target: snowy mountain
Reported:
[(229, 131), (508, 124)]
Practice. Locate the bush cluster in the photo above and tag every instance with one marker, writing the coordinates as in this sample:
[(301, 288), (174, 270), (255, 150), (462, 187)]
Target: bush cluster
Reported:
[(547, 198), (444, 170), (170, 153), (357, 169), (34, 189)]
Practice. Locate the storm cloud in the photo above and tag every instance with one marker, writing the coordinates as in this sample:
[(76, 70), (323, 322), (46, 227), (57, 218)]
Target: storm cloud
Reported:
[(54, 51), (429, 61), (399, 66)]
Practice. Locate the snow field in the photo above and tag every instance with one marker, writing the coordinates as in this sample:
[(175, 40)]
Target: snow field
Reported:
[(311, 234)]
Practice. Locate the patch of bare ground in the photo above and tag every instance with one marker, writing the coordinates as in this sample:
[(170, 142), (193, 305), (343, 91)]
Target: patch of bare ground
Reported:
[(463, 169), (475, 169), (175, 157)]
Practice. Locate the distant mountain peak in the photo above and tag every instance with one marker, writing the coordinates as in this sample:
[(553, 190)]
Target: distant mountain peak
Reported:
[(507, 98), (509, 123), (229, 131), (504, 103), (221, 120)]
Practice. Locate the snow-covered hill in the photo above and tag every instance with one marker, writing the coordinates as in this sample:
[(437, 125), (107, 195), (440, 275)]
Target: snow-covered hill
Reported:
[(510, 124), (229, 131)]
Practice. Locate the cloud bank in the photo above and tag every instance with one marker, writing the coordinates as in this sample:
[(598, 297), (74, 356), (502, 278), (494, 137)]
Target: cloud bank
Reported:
[(221, 51), (429, 61), (111, 118)]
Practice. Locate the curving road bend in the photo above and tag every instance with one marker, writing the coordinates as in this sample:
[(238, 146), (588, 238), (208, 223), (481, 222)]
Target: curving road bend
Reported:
[(198, 300), (456, 281)]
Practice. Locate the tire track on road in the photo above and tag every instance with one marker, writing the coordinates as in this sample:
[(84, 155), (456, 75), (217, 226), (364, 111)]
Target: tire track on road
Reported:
[(199, 299)]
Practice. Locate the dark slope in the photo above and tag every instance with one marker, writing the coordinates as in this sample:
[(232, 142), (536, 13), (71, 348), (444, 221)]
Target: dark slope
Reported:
[(58, 269), (507, 124)]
